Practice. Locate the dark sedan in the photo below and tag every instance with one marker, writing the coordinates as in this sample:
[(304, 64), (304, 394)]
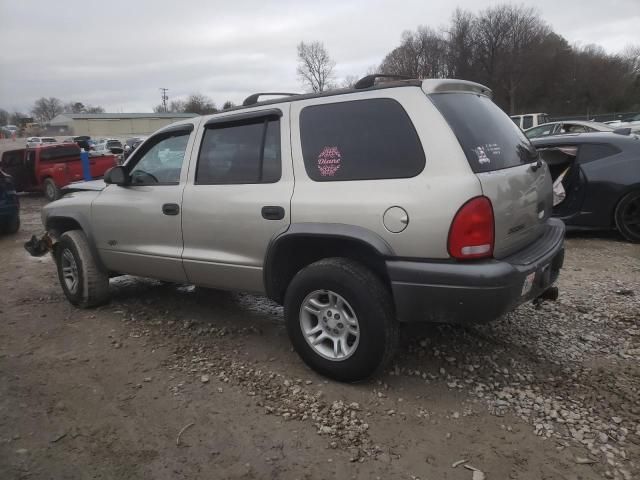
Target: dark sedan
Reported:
[(596, 180)]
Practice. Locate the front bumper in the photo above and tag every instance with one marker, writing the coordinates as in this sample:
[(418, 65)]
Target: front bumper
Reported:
[(475, 292)]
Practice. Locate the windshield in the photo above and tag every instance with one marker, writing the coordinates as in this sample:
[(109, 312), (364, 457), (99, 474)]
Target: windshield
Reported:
[(489, 138)]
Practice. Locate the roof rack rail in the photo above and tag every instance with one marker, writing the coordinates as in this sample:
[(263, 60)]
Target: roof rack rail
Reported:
[(370, 80), (252, 99)]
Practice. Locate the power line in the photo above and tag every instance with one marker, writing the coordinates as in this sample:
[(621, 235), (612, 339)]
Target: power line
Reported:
[(165, 97)]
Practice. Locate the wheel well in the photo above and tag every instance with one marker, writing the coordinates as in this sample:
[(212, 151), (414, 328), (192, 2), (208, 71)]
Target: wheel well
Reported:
[(58, 225), (290, 255)]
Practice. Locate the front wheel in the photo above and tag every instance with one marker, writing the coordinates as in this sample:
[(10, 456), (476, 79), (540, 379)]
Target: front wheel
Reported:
[(340, 319), (627, 217), (51, 190), (82, 280)]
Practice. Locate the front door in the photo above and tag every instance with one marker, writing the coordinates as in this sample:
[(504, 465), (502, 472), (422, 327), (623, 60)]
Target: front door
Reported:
[(237, 198), (137, 227)]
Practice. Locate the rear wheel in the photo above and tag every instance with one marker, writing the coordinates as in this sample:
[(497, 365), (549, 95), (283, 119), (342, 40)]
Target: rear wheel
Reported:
[(340, 319), (627, 217), (82, 280), (51, 190)]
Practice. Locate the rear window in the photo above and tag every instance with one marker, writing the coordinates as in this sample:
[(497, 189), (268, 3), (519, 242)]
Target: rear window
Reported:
[(62, 151), (359, 140), (489, 138)]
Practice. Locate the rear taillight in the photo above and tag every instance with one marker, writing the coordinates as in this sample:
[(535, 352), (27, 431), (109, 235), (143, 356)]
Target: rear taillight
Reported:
[(471, 233)]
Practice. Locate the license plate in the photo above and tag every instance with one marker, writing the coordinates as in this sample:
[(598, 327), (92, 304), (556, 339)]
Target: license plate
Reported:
[(528, 283)]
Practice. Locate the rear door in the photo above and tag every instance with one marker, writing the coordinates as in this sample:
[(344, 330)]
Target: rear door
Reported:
[(237, 198), (505, 162)]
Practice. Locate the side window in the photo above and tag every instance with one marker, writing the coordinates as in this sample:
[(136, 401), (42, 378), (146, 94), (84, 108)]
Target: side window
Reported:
[(161, 161), (359, 140), (240, 153), (527, 122), (595, 151)]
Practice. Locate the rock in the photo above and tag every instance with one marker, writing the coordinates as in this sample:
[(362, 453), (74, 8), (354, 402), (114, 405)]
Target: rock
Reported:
[(584, 461), (618, 420), (204, 378), (22, 451)]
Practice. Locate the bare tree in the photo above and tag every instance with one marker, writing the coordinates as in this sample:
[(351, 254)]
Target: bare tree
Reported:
[(200, 104), (227, 105), (349, 81), (315, 66), (4, 117), (79, 107), (45, 109)]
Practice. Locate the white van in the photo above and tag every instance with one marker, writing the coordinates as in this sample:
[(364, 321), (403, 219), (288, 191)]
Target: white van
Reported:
[(529, 120)]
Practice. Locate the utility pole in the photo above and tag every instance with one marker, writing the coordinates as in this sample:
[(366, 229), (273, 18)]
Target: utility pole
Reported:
[(164, 98)]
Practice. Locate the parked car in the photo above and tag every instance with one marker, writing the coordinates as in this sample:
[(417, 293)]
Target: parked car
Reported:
[(568, 126), (597, 180), (36, 141), (529, 120), (83, 141), (276, 197), (108, 146), (131, 144), (9, 205), (632, 122), (48, 168)]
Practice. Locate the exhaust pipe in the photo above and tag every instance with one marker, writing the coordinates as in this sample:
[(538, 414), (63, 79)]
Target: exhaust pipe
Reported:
[(550, 293)]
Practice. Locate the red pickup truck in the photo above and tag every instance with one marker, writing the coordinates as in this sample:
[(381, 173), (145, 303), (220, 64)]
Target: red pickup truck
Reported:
[(50, 167)]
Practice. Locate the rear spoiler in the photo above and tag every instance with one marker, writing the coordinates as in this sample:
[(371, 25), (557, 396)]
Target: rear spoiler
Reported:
[(454, 86)]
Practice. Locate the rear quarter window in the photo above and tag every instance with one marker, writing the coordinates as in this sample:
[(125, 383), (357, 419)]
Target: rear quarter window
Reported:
[(489, 138), (359, 140), (590, 152)]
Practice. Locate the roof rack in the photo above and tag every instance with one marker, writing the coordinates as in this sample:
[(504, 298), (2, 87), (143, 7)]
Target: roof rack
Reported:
[(252, 99), (370, 80)]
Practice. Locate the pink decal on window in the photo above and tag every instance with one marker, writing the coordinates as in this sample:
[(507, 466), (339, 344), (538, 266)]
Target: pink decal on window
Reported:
[(329, 161)]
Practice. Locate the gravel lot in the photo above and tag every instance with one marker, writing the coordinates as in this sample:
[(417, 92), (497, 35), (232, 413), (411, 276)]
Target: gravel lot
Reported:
[(171, 381)]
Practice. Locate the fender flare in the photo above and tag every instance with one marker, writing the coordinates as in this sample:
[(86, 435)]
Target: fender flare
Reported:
[(84, 226), (342, 231)]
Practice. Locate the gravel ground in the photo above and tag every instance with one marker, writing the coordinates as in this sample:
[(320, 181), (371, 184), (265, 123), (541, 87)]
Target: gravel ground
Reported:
[(172, 381)]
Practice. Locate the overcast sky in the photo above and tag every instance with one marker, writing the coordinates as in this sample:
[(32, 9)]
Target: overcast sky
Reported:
[(118, 54)]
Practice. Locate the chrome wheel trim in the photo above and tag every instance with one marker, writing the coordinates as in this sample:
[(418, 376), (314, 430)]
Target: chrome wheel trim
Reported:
[(69, 271), (329, 325)]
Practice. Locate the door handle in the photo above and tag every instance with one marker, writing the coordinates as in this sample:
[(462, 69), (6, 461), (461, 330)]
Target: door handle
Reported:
[(272, 213), (170, 209)]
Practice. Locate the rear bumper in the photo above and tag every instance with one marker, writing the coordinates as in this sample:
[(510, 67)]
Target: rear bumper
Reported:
[(474, 292)]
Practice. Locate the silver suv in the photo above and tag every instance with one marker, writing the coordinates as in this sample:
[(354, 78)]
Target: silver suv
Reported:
[(359, 209)]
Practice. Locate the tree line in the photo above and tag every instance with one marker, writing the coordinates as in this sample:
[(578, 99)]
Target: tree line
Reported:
[(513, 51), (46, 109), (196, 103)]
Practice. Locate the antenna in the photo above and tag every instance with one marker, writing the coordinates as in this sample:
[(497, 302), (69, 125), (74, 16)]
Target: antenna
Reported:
[(165, 97)]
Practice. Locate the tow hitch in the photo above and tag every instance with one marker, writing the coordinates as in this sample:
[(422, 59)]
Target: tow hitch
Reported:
[(39, 247)]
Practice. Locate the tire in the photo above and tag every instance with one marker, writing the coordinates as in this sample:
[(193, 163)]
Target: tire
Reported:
[(364, 297), (11, 225), (627, 216), (74, 257), (51, 190)]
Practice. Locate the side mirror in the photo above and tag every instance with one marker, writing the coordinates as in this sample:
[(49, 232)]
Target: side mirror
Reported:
[(117, 175)]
